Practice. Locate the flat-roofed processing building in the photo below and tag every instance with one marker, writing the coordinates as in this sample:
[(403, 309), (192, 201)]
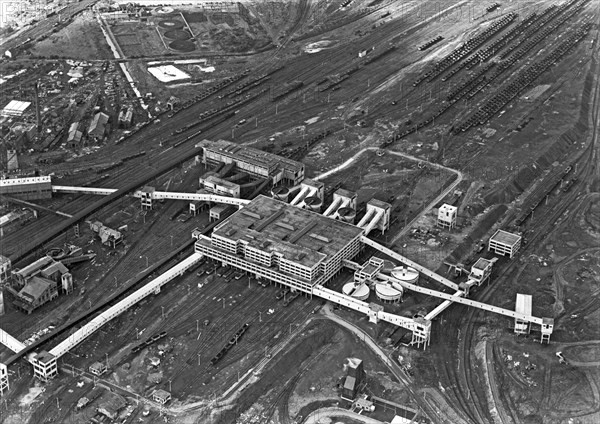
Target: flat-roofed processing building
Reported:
[(282, 243), (219, 186), (31, 188), (505, 243), (481, 270), (253, 161)]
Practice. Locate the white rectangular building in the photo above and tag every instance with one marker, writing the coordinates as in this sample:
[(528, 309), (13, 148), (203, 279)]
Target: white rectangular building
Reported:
[(15, 108), (219, 186), (505, 243), (523, 307), (447, 216), (287, 245), (481, 271)]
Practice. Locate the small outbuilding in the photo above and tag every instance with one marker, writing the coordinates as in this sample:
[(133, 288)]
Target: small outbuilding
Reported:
[(98, 368), (161, 396)]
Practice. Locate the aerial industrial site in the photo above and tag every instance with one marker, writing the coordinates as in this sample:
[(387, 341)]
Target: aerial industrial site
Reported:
[(300, 211)]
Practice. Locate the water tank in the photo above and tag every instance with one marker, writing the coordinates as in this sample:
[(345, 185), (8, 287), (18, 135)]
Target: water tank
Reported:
[(387, 293), (347, 215), (361, 292), (406, 274), (281, 193), (313, 203)]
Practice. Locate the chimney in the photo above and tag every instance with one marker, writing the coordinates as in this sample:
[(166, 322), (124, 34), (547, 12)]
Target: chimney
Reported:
[(37, 109)]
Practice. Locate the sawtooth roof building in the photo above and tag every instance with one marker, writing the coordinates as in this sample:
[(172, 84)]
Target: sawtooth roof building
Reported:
[(282, 243)]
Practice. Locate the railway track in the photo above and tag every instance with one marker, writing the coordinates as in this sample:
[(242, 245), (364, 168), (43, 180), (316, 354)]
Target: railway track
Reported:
[(465, 392)]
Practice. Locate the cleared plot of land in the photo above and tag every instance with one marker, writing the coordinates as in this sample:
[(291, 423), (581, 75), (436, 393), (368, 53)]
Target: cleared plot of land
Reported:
[(138, 40), (82, 39)]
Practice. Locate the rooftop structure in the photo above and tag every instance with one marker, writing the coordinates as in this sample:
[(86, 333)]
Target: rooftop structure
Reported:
[(98, 125), (74, 137), (32, 269), (217, 185), (505, 243), (15, 108), (220, 211), (282, 243), (161, 396), (355, 376), (44, 366), (98, 368), (447, 216), (309, 189), (481, 270), (254, 161), (523, 307), (107, 235), (378, 216), (36, 292), (168, 74), (111, 406)]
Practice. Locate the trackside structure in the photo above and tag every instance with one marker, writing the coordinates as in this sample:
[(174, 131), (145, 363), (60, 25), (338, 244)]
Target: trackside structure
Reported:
[(45, 363), (505, 243), (303, 250)]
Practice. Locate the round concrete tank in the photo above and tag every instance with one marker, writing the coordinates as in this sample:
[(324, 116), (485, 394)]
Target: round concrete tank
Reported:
[(281, 193), (361, 292), (388, 293), (313, 203), (347, 215), (406, 274)]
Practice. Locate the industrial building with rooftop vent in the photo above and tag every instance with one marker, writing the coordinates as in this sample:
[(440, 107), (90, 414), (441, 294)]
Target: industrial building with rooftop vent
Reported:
[(253, 161), (283, 243)]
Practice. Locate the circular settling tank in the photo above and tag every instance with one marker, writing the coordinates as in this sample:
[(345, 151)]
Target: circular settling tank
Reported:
[(361, 292), (170, 24), (182, 46), (281, 193), (313, 203), (178, 34), (388, 293), (347, 215), (406, 274)]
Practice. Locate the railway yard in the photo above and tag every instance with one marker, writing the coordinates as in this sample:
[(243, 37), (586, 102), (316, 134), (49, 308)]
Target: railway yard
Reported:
[(395, 110)]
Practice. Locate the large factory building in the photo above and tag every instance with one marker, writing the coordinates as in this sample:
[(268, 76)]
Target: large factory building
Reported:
[(253, 161), (282, 243), (32, 188)]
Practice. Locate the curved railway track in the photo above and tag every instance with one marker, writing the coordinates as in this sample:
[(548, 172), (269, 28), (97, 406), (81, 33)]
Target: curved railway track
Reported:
[(465, 392)]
